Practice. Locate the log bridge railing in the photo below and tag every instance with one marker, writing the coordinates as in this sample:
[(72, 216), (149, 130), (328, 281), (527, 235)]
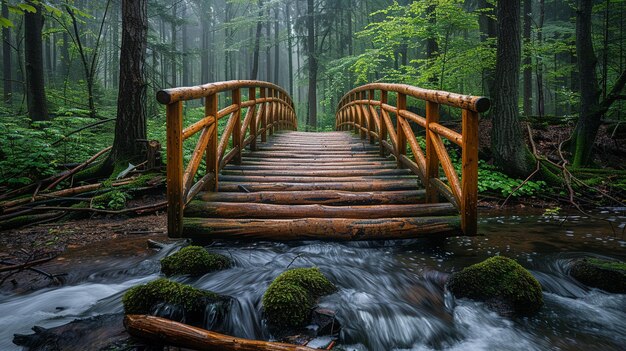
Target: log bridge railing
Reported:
[(267, 108), (371, 117)]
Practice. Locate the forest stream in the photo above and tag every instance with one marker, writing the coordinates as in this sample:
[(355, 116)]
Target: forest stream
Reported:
[(390, 293)]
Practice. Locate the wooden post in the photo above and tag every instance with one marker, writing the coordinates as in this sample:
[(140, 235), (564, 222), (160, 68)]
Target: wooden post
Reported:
[(212, 161), (264, 116), (237, 144), (401, 139), (354, 115), (371, 121), (253, 122), (175, 202), (432, 161), (361, 115), (469, 180), (383, 127), (271, 111)]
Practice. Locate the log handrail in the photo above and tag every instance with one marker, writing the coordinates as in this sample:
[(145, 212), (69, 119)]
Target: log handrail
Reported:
[(266, 113), (371, 118)]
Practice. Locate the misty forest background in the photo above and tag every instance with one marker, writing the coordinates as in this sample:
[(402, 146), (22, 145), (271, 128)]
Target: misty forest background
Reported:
[(317, 50)]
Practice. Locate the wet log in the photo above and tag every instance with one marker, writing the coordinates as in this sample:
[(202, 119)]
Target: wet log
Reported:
[(305, 179), (373, 185), (298, 167), (255, 210), (340, 229), (316, 162), (183, 335), (324, 155), (313, 172), (322, 197), (309, 159)]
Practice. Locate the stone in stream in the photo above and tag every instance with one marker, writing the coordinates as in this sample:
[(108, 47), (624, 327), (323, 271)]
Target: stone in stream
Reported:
[(290, 298), (602, 274), (104, 332), (194, 261), (502, 283), (178, 302)]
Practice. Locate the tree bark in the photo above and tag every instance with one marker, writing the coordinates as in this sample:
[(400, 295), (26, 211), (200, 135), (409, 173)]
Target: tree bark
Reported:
[(33, 56), (488, 31), (130, 125), (257, 43), (509, 150), (312, 98), (174, 66), (276, 47), (185, 48), (6, 58), (528, 71), (539, 62), (289, 46)]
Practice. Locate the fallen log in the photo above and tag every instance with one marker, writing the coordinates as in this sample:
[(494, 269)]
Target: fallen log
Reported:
[(372, 185), (14, 267), (322, 197), (183, 335)]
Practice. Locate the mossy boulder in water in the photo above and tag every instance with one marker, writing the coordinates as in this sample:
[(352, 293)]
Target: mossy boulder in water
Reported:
[(502, 283), (193, 260), (602, 274), (147, 298), (289, 299)]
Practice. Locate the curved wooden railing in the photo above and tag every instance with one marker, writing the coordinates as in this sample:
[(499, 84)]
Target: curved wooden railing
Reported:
[(372, 118), (275, 112)]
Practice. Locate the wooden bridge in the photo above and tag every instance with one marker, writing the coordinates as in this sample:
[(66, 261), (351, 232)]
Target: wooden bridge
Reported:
[(369, 180)]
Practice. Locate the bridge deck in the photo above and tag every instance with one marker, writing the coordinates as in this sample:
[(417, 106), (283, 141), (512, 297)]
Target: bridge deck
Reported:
[(327, 186)]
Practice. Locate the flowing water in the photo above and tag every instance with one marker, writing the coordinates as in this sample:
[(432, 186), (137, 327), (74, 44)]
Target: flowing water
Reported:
[(390, 294)]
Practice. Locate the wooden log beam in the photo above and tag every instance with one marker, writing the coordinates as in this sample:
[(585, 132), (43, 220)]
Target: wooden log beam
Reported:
[(303, 179), (271, 211), (182, 335), (374, 185), (322, 197), (313, 172), (340, 229)]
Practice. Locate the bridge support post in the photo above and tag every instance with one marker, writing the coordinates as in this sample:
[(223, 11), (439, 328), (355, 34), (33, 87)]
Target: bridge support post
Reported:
[(237, 144), (371, 124), (432, 161), (401, 139), (469, 176), (175, 170), (263, 111), (212, 161), (253, 121), (383, 126)]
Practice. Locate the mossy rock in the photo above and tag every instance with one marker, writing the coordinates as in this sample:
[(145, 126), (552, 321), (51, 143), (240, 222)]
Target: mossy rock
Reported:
[(193, 260), (142, 299), (289, 299), (602, 274), (502, 283)]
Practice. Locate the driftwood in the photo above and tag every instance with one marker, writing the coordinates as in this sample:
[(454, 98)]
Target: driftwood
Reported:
[(182, 335), (22, 266)]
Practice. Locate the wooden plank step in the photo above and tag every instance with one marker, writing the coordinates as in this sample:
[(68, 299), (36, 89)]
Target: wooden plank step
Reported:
[(320, 228), (317, 162), (305, 179), (374, 185), (301, 167), (323, 197), (271, 211), (308, 159), (320, 155), (319, 173)]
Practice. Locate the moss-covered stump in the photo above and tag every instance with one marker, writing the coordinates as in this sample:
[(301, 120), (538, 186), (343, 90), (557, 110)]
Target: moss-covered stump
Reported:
[(193, 260), (291, 296), (602, 274), (502, 283), (185, 302)]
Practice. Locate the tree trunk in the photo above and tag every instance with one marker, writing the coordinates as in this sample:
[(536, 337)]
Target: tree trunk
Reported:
[(276, 47), (539, 62), (312, 98), (488, 31), (6, 58), (185, 49), (509, 150), (33, 56), (586, 129), (268, 55), (174, 66), (130, 126), (289, 47), (528, 71), (257, 43)]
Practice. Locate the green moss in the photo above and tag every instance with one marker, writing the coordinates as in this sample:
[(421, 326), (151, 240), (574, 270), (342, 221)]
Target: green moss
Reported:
[(193, 260), (287, 302), (113, 200), (310, 279), (602, 274), (142, 298), (499, 278)]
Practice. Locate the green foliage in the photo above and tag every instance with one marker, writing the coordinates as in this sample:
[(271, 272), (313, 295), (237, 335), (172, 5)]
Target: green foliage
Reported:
[(287, 302), (112, 200), (142, 298), (499, 278), (193, 260), (491, 180)]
